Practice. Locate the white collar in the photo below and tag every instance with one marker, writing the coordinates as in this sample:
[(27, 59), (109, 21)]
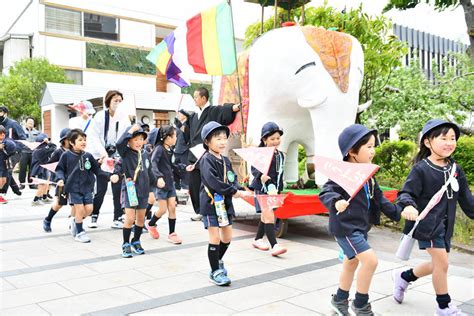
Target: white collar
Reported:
[(199, 111)]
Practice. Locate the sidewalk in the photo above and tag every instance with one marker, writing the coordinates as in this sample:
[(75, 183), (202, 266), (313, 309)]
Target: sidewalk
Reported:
[(43, 274)]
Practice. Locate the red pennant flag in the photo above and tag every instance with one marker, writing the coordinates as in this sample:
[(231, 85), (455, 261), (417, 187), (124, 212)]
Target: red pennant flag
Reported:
[(270, 201), (50, 166), (350, 176), (198, 151), (30, 145), (258, 157), (108, 165)]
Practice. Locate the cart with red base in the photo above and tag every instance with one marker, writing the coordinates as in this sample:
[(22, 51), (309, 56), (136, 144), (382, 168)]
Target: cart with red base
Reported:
[(305, 202)]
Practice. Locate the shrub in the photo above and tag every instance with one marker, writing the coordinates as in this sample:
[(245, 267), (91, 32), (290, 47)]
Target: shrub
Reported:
[(394, 159), (464, 155)]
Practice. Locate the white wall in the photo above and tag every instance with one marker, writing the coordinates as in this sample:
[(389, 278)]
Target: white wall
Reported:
[(118, 81), (64, 52), (15, 50), (136, 33)]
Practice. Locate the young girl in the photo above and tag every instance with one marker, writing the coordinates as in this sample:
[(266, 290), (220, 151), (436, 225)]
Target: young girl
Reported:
[(263, 184), (7, 148), (76, 172), (61, 197), (136, 168), (350, 222), (219, 185), (40, 156), (432, 168), (162, 168)]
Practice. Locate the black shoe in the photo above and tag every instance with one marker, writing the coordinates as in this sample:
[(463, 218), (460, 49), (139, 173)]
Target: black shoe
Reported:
[(33, 187), (46, 225), (22, 186), (17, 191)]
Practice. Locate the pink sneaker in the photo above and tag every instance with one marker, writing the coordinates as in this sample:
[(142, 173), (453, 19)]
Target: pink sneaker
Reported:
[(451, 310), (260, 244), (399, 286), (278, 250), (174, 238), (2, 200), (152, 230)]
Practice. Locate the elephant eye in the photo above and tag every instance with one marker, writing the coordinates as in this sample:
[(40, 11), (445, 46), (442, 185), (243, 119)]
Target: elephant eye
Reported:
[(305, 66)]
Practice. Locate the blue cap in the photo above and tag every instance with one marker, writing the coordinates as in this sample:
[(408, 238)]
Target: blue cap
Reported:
[(269, 128), (434, 123), (40, 138), (64, 134), (351, 135), (136, 133), (209, 128), (153, 136)]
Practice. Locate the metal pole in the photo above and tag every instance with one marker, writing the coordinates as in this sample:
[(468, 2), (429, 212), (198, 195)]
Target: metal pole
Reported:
[(276, 12), (261, 20)]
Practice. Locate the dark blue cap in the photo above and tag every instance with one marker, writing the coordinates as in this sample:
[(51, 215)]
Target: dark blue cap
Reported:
[(40, 138), (434, 123), (136, 133), (153, 136), (64, 134), (209, 128), (269, 128), (351, 135)]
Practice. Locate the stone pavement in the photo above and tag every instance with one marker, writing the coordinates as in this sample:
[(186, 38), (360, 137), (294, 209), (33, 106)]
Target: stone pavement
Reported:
[(45, 274)]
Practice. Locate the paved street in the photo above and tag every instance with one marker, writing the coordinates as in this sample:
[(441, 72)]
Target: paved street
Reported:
[(45, 274)]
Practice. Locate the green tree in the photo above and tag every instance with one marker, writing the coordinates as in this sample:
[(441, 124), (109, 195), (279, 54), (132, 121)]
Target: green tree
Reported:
[(410, 99), (382, 50), (22, 88), (442, 5)]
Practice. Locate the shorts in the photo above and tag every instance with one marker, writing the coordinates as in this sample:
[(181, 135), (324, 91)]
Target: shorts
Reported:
[(211, 221), (80, 198), (353, 245), (62, 198), (161, 194), (437, 242)]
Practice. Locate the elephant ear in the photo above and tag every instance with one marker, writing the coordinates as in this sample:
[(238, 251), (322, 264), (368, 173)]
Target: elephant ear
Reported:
[(334, 50)]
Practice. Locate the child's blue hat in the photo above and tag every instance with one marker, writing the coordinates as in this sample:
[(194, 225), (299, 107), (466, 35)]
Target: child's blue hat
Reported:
[(40, 137), (351, 135), (434, 123), (153, 136), (269, 128), (209, 128), (64, 134), (136, 133)]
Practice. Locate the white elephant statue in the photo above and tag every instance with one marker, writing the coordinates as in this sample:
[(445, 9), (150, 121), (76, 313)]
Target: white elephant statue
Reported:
[(307, 80)]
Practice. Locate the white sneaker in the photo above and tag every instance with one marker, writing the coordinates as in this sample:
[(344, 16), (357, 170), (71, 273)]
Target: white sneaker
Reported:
[(93, 223), (117, 225), (37, 203), (196, 218), (260, 244), (278, 250), (72, 227), (82, 237)]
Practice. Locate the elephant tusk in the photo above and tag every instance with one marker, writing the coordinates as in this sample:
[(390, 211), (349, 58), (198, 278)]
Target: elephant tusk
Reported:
[(362, 107)]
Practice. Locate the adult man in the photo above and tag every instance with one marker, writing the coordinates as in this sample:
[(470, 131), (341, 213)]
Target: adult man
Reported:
[(104, 132), (25, 160), (181, 152), (14, 132), (205, 113)]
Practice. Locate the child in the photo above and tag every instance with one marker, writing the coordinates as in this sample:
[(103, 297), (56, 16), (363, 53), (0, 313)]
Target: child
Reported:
[(162, 169), (40, 156), (75, 172), (136, 168), (7, 148), (219, 185), (149, 147), (350, 222), (61, 197), (264, 184), (432, 168)]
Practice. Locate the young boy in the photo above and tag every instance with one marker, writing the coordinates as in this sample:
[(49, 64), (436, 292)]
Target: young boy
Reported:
[(219, 185), (40, 156), (136, 168), (7, 148), (75, 172)]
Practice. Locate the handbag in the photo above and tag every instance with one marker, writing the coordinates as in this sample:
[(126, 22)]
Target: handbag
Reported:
[(407, 241)]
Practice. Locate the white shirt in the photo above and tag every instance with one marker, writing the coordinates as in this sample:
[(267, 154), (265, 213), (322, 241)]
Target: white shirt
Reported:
[(199, 111), (95, 133), (80, 123)]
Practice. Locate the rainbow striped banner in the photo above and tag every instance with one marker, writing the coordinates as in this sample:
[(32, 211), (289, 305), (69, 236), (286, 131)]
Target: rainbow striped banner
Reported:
[(204, 45)]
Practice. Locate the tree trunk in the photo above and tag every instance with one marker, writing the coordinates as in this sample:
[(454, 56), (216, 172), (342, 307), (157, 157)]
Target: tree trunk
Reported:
[(469, 17)]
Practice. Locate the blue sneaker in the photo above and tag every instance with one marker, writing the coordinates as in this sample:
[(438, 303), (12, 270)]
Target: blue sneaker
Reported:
[(46, 225), (218, 277), (126, 251), (221, 267), (137, 248)]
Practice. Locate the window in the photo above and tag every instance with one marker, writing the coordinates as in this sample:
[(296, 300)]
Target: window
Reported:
[(99, 26), (63, 21), (74, 75)]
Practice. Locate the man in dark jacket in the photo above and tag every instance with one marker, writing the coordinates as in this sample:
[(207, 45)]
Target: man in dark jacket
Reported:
[(16, 133), (205, 113)]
